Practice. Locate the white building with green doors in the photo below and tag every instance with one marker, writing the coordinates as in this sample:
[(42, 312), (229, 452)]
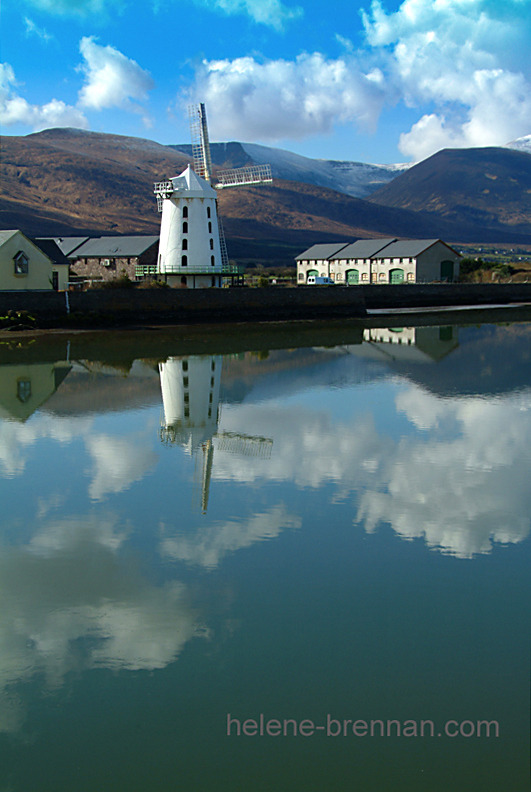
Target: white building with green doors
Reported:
[(381, 261)]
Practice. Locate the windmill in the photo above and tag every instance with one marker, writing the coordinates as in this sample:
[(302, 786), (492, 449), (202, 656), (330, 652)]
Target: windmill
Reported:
[(192, 249), (190, 388)]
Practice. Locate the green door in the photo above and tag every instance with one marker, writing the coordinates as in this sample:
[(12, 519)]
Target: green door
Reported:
[(311, 272), (396, 276), (353, 277), (447, 271)]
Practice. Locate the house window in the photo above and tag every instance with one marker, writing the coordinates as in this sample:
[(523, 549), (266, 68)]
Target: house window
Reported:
[(301, 275), (23, 390), (365, 276), (184, 261), (410, 276), (21, 263), (185, 244), (382, 276), (185, 211), (185, 227)]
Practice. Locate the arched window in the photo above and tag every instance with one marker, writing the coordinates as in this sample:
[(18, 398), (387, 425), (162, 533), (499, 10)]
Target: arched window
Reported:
[(185, 211), (208, 211), (209, 227), (185, 227), (212, 261), (185, 244), (184, 261), (211, 244)]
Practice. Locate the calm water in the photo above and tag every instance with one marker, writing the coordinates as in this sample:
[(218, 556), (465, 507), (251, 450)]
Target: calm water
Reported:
[(328, 543)]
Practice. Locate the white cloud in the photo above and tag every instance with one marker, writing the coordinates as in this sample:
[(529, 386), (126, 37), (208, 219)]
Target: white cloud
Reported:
[(14, 109), (118, 462), (33, 30), (209, 544), (54, 601), (460, 57), (267, 12), (76, 7), (462, 64), (111, 79), (280, 98)]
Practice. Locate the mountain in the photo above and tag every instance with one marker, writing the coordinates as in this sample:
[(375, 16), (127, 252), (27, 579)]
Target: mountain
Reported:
[(352, 178), (488, 187), (70, 182), (520, 144)]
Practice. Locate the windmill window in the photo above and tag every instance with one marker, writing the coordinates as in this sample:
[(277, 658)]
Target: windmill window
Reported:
[(185, 365), (185, 382), (210, 412), (213, 365), (210, 398), (209, 227), (212, 260), (185, 211), (186, 397), (184, 261), (185, 244), (185, 227), (21, 263), (208, 211), (211, 244), (211, 382), (186, 412)]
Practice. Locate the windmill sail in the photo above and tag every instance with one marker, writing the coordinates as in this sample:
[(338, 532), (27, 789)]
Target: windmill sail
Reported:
[(200, 141), (252, 174)]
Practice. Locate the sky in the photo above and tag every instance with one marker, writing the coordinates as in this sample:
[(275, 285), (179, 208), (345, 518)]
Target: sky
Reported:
[(382, 81)]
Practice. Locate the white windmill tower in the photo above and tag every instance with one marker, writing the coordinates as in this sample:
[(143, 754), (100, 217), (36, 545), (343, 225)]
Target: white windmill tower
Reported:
[(192, 251)]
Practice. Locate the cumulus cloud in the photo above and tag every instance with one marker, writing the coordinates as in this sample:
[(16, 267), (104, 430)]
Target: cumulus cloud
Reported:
[(458, 56), (117, 463), (461, 63), (54, 603), (14, 109), (278, 98), (111, 79)]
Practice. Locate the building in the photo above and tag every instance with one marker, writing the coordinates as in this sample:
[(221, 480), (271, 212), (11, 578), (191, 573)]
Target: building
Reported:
[(190, 247), (25, 265), (106, 258), (381, 261)]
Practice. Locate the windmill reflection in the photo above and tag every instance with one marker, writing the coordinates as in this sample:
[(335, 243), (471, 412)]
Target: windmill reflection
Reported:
[(190, 394)]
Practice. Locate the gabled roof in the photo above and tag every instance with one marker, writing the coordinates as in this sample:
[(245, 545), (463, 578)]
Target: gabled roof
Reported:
[(323, 251), (69, 244), (363, 248), (407, 248), (116, 246), (52, 250), (5, 235)]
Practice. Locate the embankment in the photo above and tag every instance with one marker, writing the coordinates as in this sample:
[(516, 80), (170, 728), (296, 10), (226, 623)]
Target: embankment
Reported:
[(129, 307)]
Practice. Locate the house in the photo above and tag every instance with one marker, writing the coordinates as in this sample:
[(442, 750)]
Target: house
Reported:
[(381, 261), (109, 257), (26, 266)]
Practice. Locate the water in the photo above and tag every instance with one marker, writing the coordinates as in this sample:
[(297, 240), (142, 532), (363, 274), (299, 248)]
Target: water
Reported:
[(239, 561)]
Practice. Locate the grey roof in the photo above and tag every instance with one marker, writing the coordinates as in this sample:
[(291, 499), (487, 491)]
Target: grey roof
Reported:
[(69, 244), (52, 250), (407, 248), (323, 251), (116, 246), (363, 248)]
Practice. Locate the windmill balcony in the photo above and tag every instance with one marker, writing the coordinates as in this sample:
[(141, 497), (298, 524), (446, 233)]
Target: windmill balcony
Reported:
[(203, 269)]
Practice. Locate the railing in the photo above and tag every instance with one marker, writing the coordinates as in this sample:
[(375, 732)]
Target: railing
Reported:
[(143, 270)]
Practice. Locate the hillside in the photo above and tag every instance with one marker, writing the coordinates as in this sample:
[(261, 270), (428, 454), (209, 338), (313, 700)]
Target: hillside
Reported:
[(65, 181), (489, 187)]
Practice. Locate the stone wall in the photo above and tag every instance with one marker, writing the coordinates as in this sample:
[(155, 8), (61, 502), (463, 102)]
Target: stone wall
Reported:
[(114, 307)]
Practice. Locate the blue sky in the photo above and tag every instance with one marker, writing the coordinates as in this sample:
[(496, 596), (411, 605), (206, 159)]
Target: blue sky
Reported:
[(377, 82)]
